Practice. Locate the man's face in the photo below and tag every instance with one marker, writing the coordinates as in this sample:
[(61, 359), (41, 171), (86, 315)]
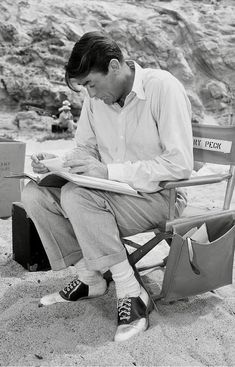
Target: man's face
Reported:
[(106, 87)]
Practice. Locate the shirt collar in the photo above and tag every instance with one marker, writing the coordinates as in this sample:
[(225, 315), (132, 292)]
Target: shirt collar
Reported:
[(137, 87)]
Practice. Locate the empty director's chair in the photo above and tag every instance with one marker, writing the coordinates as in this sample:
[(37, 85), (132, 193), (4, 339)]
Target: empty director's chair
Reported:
[(211, 144)]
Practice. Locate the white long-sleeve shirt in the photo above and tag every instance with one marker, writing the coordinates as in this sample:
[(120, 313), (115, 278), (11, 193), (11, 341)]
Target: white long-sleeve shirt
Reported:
[(146, 141)]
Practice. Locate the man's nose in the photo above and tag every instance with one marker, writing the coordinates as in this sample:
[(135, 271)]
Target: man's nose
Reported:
[(91, 92)]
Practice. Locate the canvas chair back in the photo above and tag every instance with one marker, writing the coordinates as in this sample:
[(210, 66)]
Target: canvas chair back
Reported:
[(216, 144)]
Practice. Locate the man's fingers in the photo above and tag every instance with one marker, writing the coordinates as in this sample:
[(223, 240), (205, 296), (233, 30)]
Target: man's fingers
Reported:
[(88, 166), (38, 167), (41, 156), (75, 163), (77, 166), (79, 169), (34, 158)]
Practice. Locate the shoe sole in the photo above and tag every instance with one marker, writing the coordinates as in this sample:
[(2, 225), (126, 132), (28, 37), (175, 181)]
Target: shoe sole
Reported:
[(149, 308), (70, 301), (119, 339)]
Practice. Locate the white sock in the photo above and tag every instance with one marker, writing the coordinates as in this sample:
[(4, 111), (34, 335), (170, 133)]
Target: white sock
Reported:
[(125, 281), (89, 277)]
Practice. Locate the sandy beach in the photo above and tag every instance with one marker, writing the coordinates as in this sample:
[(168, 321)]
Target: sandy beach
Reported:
[(194, 41), (199, 331)]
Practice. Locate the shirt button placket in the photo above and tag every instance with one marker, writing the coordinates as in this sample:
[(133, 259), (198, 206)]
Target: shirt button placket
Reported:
[(121, 137)]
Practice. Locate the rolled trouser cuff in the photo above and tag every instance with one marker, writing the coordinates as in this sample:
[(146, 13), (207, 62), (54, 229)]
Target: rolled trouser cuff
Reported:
[(105, 262), (66, 261)]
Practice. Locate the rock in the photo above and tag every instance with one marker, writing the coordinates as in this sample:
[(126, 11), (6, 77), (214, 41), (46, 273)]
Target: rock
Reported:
[(197, 106), (31, 120), (193, 39), (217, 89)]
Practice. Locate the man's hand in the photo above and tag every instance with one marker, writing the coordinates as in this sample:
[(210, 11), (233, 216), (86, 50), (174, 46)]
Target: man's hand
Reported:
[(88, 166), (37, 164)]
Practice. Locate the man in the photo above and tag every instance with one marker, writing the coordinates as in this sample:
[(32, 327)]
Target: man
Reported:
[(135, 127)]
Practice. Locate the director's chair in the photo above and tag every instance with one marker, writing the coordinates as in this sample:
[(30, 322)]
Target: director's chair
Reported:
[(211, 144)]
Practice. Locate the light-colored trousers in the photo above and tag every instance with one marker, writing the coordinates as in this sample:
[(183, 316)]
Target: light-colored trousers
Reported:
[(75, 222)]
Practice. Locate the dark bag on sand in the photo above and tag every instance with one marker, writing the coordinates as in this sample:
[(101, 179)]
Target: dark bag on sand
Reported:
[(27, 247), (192, 267)]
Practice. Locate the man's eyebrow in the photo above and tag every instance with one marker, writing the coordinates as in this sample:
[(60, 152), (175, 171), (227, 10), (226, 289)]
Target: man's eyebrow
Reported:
[(84, 84)]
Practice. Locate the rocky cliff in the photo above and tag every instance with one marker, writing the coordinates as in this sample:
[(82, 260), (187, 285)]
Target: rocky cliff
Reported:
[(193, 39)]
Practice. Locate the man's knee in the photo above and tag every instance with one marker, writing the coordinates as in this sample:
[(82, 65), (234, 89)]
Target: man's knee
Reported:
[(69, 193), (31, 193)]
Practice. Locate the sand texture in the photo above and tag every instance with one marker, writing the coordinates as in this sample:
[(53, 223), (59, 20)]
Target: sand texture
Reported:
[(199, 331)]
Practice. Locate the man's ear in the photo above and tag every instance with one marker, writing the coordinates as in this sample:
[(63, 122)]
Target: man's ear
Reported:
[(114, 66)]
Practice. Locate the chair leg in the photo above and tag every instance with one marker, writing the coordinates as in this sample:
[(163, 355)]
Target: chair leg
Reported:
[(172, 204), (141, 282), (229, 189), (148, 246)]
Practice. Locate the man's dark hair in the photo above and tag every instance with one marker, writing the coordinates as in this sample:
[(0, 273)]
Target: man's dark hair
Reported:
[(92, 52)]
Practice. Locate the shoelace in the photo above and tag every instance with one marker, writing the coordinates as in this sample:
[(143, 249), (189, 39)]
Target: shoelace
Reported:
[(69, 287), (124, 308)]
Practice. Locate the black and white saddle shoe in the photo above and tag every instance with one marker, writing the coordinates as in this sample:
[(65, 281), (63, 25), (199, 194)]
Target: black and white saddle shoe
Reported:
[(133, 315), (76, 290)]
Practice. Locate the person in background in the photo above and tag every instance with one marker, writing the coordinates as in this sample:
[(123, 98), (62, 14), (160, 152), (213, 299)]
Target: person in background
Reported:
[(135, 127), (66, 122)]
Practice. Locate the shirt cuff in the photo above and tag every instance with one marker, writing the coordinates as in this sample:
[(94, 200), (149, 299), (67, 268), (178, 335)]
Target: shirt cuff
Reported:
[(116, 171)]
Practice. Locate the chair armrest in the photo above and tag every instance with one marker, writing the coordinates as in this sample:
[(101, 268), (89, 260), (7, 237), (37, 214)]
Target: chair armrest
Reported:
[(193, 181)]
